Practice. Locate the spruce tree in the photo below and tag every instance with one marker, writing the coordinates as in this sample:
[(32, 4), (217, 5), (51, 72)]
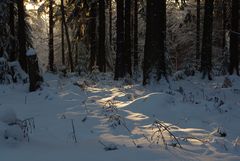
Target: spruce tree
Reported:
[(234, 39), (154, 51), (101, 57), (206, 54), (119, 66)]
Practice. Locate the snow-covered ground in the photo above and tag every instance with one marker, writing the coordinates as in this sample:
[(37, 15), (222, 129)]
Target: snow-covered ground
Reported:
[(104, 120)]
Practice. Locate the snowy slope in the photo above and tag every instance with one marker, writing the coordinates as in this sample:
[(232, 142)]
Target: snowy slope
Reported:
[(114, 120)]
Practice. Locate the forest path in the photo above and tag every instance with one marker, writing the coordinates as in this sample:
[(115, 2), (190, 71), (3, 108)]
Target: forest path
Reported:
[(113, 120)]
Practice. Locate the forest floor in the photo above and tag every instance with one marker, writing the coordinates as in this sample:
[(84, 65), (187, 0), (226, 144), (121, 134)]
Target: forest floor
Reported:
[(104, 120)]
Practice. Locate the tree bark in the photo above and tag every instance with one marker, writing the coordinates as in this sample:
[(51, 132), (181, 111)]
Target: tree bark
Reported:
[(127, 53), (50, 42), (62, 32), (135, 36), (101, 57), (198, 32), (119, 66), (206, 55), (68, 43), (22, 35), (110, 22), (35, 79), (224, 23), (154, 50), (12, 54), (92, 33), (234, 39)]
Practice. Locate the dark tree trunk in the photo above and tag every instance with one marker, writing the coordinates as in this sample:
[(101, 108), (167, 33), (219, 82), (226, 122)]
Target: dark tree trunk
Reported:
[(28, 64), (127, 53), (119, 66), (92, 33), (234, 39), (62, 32), (224, 24), (69, 47), (161, 70), (22, 35), (35, 79), (12, 52), (101, 57), (206, 55), (110, 22), (135, 36), (198, 32), (154, 50), (224, 66), (50, 43), (70, 57)]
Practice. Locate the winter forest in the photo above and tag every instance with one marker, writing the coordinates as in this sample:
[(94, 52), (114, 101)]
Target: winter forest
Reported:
[(123, 80)]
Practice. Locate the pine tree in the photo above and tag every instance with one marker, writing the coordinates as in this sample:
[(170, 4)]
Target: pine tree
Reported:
[(234, 38), (135, 36), (4, 32), (22, 39), (62, 32), (35, 79), (127, 52), (198, 31), (50, 43), (110, 21), (101, 57), (119, 66), (206, 55), (92, 33), (12, 50), (70, 57), (27, 61), (154, 50)]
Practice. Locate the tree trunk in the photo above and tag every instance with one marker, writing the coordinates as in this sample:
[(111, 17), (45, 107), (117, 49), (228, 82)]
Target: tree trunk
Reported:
[(50, 43), (35, 79), (127, 53), (22, 35), (206, 55), (110, 22), (12, 52), (68, 43), (119, 66), (92, 33), (154, 50), (69, 48), (224, 23), (101, 57), (161, 69), (198, 32), (62, 32), (234, 39), (135, 36)]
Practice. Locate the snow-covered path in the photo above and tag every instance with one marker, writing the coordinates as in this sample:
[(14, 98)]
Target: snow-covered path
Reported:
[(119, 118)]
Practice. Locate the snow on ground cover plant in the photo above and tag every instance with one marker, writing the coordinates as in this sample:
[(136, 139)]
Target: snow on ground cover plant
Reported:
[(80, 119)]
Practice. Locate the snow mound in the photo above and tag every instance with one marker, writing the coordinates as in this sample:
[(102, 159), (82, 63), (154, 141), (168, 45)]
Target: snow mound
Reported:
[(7, 116), (19, 73), (14, 132), (8, 127), (151, 103)]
